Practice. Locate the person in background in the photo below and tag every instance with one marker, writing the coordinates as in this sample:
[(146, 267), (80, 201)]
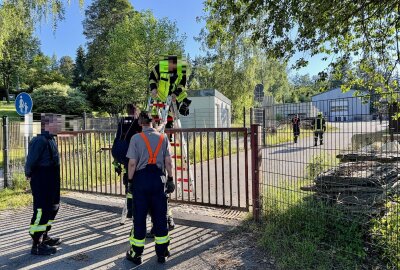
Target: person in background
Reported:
[(319, 127), (42, 169), (127, 127), (380, 116), (296, 127)]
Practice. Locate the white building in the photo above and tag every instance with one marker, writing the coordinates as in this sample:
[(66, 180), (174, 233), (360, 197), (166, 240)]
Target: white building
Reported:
[(209, 109), (343, 106)]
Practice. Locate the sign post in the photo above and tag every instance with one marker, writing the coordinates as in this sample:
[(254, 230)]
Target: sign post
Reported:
[(23, 106)]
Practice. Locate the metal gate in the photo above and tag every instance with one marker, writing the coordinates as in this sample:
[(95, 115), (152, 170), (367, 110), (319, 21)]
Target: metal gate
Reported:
[(218, 161)]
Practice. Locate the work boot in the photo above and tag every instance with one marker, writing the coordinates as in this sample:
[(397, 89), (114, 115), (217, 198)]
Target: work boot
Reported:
[(133, 257), (43, 249), (171, 223), (321, 142), (51, 241), (163, 259)]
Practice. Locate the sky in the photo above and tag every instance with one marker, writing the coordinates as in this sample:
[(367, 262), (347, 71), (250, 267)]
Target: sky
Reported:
[(69, 34)]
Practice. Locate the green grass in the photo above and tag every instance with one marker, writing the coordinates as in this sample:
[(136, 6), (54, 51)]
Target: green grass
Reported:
[(303, 232), (84, 166), (8, 110), (212, 150), (12, 199), (16, 196)]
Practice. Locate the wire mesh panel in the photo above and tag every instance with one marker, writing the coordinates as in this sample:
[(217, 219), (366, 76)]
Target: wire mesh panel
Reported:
[(330, 185)]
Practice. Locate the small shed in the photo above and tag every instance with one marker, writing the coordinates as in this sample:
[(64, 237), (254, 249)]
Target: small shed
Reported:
[(343, 106), (209, 109)]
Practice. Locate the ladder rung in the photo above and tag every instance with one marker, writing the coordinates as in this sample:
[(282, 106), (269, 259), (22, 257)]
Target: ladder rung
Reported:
[(180, 169), (175, 156), (159, 105), (184, 180)]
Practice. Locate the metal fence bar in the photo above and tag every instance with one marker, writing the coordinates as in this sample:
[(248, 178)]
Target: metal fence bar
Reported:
[(6, 157), (255, 168), (215, 167), (201, 167)]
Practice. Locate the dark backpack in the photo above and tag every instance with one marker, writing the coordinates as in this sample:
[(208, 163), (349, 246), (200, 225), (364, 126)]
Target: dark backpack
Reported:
[(120, 146)]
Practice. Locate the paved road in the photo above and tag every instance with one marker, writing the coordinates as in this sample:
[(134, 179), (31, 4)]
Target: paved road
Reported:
[(286, 163), (93, 238)]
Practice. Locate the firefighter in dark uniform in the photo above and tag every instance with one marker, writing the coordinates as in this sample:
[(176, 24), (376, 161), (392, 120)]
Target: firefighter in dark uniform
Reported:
[(42, 169), (127, 127), (149, 157), (319, 126), (296, 127)]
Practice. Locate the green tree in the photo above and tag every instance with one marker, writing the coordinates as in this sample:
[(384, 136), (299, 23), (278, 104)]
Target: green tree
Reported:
[(79, 69), (66, 67), (363, 33), (100, 19), (15, 15), (235, 68), (15, 57), (40, 72), (54, 62), (135, 48), (304, 87)]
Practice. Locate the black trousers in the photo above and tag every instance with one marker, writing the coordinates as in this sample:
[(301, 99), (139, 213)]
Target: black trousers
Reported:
[(318, 134), (148, 193), (45, 186)]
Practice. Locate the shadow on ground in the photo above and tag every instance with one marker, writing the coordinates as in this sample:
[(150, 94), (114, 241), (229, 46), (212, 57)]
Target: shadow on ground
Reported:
[(94, 239)]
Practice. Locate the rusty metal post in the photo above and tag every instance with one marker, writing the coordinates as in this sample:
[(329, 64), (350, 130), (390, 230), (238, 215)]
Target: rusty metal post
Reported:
[(256, 158), (6, 153), (264, 128), (251, 116), (244, 117)]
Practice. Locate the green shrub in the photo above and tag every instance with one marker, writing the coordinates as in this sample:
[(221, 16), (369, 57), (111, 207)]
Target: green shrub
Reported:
[(386, 234), (58, 98), (19, 181)]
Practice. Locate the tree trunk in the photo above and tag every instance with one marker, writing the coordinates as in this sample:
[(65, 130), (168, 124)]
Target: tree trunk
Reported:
[(7, 87)]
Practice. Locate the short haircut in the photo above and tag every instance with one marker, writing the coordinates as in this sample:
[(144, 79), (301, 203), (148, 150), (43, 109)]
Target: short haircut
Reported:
[(132, 109), (144, 118)]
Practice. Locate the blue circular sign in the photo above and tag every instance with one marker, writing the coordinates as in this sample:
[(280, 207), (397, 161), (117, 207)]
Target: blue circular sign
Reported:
[(23, 103)]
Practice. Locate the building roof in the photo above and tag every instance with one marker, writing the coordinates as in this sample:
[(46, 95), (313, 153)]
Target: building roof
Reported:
[(347, 93), (208, 93)]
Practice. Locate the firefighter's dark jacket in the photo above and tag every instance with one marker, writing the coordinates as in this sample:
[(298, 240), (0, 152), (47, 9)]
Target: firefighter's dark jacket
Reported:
[(127, 127), (42, 152)]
